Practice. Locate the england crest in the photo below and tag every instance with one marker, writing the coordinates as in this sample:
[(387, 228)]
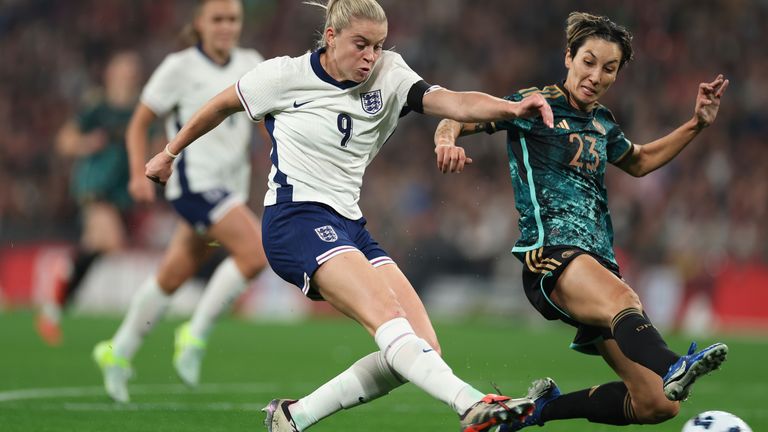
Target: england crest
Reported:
[(372, 101), (327, 234)]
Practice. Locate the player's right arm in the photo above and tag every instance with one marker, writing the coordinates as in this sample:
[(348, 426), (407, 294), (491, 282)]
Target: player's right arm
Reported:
[(215, 111), (255, 92), (450, 157), (136, 141)]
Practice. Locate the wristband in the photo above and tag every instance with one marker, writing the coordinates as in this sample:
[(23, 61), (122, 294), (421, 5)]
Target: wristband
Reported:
[(168, 152)]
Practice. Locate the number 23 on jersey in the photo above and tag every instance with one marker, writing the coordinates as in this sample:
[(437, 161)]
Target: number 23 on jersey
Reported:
[(593, 160)]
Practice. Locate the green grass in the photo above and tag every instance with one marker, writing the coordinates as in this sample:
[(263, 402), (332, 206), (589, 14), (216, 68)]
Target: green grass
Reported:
[(250, 363)]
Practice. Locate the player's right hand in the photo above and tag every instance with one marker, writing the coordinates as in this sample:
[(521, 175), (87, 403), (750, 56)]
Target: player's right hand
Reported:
[(535, 105), (141, 190), (451, 158), (159, 168)]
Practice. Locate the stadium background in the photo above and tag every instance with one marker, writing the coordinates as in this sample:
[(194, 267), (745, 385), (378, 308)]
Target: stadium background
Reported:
[(692, 237)]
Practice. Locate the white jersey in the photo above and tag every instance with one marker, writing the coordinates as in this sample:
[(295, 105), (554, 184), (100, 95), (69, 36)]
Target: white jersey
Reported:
[(181, 85), (324, 132)]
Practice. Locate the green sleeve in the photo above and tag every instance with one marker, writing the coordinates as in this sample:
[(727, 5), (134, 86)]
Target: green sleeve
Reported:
[(617, 146), (511, 124)]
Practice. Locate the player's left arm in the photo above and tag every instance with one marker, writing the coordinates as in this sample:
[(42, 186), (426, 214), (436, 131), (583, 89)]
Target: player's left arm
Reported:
[(649, 157), (472, 112), (480, 107)]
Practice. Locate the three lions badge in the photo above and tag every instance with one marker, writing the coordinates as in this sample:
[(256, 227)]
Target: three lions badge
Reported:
[(327, 234), (372, 101)]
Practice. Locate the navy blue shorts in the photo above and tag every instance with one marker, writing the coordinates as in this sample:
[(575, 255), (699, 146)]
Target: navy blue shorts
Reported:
[(300, 236), (201, 210)]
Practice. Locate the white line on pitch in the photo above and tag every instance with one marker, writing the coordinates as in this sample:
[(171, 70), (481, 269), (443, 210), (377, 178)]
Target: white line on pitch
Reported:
[(64, 392), (153, 406)]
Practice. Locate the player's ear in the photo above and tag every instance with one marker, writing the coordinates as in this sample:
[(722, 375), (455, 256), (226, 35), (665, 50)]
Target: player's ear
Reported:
[(330, 38), (568, 58)]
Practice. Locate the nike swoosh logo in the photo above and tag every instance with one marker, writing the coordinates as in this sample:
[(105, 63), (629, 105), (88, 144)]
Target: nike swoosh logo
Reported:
[(296, 104), (427, 350)]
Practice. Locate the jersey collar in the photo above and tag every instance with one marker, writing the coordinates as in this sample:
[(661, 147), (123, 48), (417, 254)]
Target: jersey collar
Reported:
[(323, 75), (199, 47)]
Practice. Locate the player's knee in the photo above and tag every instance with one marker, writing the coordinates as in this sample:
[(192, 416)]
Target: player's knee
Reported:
[(171, 278), (655, 410), (169, 285), (622, 300), (251, 265), (628, 299)]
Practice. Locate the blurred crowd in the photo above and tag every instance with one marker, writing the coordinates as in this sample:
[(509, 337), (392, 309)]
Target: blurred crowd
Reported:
[(707, 207)]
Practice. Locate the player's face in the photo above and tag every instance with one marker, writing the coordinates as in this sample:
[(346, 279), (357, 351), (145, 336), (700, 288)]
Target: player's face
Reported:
[(356, 48), (123, 73), (220, 23), (591, 71)]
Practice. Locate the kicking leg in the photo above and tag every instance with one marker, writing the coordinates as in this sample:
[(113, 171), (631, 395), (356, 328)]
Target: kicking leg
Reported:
[(593, 295), (354, 287), (370, 377), (637, 399)]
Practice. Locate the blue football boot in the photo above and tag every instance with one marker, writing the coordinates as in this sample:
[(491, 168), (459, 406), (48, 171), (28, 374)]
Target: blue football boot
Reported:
[(684, 372), (542, 391)]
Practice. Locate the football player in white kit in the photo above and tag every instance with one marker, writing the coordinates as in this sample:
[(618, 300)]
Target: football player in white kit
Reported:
[(209, 191), (328, 113)]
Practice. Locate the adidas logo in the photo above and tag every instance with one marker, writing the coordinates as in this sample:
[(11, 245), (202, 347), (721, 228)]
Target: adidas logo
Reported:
[(563, 124)]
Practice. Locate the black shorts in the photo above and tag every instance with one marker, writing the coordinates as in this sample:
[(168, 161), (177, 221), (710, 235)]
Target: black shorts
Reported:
[(542, 268)]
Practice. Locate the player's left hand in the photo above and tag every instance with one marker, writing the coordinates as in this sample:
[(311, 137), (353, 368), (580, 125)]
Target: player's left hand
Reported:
[(159, 168), (708, 101), (451, 158)]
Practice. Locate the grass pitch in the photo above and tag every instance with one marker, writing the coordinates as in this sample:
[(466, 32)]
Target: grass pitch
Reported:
[(59, 389)]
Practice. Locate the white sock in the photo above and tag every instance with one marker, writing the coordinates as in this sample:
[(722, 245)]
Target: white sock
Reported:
[(226, 284), (148, 305), (367, 379), (414, 359)]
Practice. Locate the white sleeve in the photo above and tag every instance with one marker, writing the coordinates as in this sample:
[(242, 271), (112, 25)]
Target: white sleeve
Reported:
[(260, 89), (256, 57), (163, 90), (402, 77)]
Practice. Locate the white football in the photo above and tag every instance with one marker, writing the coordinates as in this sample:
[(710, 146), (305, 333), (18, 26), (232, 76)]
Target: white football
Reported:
[(716, 421)]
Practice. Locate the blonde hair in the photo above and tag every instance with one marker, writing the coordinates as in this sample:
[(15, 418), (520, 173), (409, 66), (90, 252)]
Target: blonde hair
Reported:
[(339, 13), (189, 36)]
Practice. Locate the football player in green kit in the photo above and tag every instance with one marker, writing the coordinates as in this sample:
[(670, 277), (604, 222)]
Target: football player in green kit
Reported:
[(566, 243), (95, 143)]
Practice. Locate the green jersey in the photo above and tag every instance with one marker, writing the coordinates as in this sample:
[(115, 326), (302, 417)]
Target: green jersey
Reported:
[(104, 174), (558, 174)]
